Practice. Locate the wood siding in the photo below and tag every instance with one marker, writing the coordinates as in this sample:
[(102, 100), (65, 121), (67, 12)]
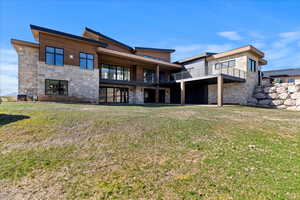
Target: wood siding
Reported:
[(159, 54), (70, 46)]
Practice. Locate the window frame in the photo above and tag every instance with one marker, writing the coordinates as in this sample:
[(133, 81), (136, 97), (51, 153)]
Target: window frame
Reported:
[(86, 60), (220, 65), (59, 83), (112, 73), (145, 77), (252, 68), (54, 55)]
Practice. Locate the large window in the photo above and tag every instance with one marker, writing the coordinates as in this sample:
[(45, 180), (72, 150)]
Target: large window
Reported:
[(291, 80), (252, 65), (54, 56), (56, 87), (149, 76), (113, 95), (115, 72), (229, 63), (86, 61)]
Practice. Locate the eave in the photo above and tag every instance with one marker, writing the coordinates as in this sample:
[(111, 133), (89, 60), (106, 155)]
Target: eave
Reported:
[(38, 29), (136, 58), (22, 43)]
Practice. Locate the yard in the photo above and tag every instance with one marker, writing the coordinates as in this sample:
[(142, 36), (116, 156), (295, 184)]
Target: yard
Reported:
[(78, 151)]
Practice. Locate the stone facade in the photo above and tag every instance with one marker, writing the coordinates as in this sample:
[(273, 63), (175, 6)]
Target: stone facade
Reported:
[(279, 95), (234, 93), (27, 71), (83, 85)]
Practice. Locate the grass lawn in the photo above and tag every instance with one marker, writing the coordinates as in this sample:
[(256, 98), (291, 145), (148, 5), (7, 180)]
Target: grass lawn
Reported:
[(77, 151)]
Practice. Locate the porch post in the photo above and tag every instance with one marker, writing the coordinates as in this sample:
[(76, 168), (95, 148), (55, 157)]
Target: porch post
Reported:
[(157, 85), (182, 89), (220, 90)]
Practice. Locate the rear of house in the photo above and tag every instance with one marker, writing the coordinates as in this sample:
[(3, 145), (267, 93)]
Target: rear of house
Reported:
[(98, 69)]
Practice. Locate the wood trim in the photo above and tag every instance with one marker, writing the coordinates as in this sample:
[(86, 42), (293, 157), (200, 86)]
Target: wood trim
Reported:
[(24, 43)]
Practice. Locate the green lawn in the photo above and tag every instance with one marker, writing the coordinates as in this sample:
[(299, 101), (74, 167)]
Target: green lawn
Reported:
[(77, 151)]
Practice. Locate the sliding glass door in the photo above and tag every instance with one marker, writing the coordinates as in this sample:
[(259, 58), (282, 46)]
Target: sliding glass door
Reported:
[(113, 95)]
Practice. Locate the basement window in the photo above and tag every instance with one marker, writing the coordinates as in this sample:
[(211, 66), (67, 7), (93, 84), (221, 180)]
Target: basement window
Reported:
[(86, 61), (54, 56), (56, 87)]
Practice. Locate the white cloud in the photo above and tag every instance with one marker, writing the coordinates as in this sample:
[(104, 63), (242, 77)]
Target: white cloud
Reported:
[(286, 38), (9, 84), (8, 71), (231, 35)]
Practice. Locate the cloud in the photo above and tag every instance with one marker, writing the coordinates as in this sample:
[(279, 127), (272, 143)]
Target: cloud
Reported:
[(8, 71), (9, 84), (185, 51), (286, 38), (230, 35)]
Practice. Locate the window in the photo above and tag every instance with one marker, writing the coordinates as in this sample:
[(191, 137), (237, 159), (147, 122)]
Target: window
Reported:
[(115, 72), (149, 76), (86, 61), (291, 80), (54, 56), (113, 95), (56, 87), (278, 80), (229, 63), (251, 65), (162, 76)]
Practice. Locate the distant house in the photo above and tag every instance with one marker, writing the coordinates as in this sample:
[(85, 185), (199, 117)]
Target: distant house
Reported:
[(96, 68), (282, 76)]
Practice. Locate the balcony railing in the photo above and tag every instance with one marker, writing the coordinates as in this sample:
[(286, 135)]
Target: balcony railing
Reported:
[(225, 71)]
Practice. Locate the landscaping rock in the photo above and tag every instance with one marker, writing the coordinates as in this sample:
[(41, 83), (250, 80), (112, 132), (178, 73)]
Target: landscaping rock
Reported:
[(290, 102), (298, 102), (264, 102), (280, 89), (283, 96), (277, 102), (295, 95), (281, 107), (272, 96), (258, 89), (292, 88), (260, 96)]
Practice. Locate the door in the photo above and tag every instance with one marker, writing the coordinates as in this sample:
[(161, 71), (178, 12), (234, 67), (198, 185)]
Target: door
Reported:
[(149, 95), (162, 96), (196, 94)]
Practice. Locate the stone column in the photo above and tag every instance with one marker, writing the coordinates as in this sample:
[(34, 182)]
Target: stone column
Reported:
[(157, 85), (220, 90), (182, 89)]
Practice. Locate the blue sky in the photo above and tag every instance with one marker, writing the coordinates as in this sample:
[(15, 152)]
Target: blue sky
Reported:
[(191, 27)]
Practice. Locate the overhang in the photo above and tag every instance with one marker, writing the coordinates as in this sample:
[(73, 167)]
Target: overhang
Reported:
[(155, 49), (211, 79), (16, 43), (38, 29), (202, 55), (136, 58), (248, 48)]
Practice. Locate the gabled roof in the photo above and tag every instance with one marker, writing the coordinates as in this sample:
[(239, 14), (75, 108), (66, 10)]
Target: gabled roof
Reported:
[(36, 29), (108, 38), (282, 72), (202, 55), (155, 49)]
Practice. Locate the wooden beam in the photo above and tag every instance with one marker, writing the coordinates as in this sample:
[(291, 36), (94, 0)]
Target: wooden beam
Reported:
[(220, 90), (182, 89)]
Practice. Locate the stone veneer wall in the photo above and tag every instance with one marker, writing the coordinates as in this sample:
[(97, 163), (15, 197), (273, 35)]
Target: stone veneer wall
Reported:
[(279, 95), (27, 71), (83, 85), (234, 93)]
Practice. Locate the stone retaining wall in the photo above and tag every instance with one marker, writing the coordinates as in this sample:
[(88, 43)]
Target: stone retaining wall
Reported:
[(279, 95)]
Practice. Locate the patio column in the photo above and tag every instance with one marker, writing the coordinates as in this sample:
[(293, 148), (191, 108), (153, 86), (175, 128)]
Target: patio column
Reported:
[(220, 90), (182, 89), (157, 85)]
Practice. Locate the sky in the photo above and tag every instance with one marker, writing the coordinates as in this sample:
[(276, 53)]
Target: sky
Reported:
[(190, 27)]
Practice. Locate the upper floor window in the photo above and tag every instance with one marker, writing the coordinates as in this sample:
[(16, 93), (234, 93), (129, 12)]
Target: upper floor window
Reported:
[(252, 65), (56, 87), (54, 56), (115, 72), (162, 76), (86, 61), (229, 63), (149, 76)]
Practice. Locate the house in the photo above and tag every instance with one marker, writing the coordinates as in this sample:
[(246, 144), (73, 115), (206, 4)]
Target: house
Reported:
[(282, 76), (98, 69)]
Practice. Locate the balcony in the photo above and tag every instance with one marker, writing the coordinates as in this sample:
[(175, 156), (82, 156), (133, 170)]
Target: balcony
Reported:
[(230, 73)]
